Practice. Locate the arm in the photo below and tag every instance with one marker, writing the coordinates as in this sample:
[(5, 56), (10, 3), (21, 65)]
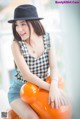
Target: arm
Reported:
[(57, 97), (53, 63), (21, 64), (54, 94)]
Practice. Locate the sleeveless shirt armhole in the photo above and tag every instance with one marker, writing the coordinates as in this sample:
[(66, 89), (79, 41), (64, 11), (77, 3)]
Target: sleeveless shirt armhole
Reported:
[(48, 45), (20, 46), (23, 49)]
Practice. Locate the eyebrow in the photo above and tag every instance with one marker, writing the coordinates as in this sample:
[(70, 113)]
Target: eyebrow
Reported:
[(20, 22)]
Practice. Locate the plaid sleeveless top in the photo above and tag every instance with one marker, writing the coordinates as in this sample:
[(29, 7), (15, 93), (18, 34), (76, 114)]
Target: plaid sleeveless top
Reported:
[(38, 66)]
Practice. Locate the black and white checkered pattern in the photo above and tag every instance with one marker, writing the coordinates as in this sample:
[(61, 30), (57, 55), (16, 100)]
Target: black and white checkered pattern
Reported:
[(37, 66)]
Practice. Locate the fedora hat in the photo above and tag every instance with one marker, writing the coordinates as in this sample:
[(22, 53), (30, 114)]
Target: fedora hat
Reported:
[(25, 12)]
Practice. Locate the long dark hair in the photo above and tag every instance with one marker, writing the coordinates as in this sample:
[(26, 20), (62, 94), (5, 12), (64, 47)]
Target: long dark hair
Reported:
[(37, 26)]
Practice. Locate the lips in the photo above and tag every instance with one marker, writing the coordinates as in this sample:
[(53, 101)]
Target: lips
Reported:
[(22, 34)]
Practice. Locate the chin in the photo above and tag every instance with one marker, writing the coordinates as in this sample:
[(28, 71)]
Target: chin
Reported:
[(24, 38)]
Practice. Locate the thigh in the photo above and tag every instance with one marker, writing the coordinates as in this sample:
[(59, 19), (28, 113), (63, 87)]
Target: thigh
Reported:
[(23, 109), (14, 90)]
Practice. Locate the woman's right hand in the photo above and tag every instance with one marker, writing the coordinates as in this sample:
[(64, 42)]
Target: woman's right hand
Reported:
[(57, 97)]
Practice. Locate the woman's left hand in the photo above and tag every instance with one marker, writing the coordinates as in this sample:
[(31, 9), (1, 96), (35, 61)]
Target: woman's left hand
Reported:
[(57, 96)]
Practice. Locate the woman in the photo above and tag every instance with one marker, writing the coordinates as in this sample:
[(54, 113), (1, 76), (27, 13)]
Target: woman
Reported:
[(34, 54)]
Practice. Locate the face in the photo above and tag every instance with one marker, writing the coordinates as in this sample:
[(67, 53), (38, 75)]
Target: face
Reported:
[(22, 29)]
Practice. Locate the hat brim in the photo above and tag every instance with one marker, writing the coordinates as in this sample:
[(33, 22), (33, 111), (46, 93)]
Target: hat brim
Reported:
[(27, 19)]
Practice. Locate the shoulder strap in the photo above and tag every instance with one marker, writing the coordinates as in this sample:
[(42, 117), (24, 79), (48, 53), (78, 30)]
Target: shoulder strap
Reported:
[(47, 41), (23, 48)]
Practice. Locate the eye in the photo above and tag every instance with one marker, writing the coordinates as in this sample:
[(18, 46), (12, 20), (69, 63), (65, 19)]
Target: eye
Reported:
[(15, 24), (23, 24)]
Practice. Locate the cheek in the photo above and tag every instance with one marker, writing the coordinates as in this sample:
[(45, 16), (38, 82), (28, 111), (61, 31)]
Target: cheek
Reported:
[(17, 30), (26, 29)]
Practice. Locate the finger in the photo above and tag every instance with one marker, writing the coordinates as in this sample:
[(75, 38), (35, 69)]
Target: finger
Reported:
[(56, 103), (52, 101), (66, 98), (62, 102), (59, 102), (52, 104)]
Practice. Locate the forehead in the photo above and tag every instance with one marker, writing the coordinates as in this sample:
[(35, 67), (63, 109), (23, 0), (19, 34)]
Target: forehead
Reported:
[(20, 21)]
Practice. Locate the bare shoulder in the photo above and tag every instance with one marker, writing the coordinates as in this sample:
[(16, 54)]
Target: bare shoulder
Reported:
[(14, 45), (18, 58), (15, 48)]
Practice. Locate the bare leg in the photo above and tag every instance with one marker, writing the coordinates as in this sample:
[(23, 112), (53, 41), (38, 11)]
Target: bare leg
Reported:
[(23, 109)]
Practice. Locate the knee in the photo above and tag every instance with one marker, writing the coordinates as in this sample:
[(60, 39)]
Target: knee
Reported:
[(29, 116), (33, 117)]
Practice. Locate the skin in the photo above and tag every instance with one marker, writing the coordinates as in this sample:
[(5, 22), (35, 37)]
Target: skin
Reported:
[(56, 96)]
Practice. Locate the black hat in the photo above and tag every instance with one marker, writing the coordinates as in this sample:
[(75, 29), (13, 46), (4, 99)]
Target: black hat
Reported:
[(25, 12)]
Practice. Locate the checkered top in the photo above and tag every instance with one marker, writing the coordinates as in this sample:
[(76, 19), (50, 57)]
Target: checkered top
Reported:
[(37, 66)]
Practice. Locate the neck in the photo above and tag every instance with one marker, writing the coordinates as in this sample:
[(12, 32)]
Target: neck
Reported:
[(33, 38)]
